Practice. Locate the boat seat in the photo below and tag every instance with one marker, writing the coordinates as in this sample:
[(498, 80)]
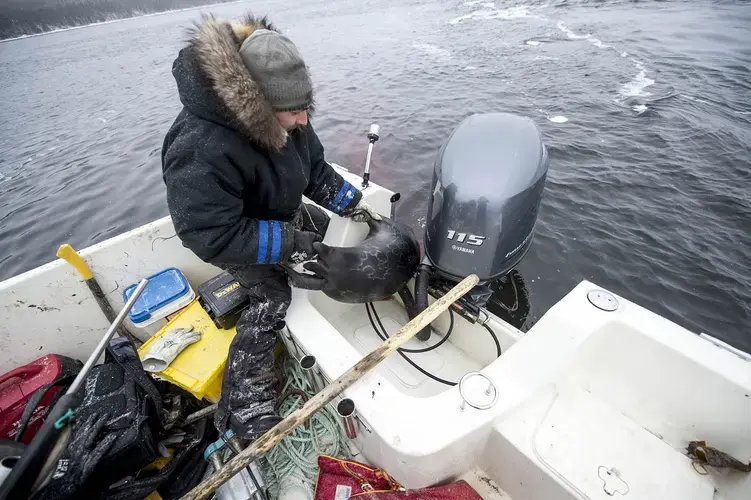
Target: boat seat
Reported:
[(603, 454)]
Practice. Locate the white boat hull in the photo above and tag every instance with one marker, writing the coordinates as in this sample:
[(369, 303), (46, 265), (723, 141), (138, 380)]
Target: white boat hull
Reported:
[(591, 403)]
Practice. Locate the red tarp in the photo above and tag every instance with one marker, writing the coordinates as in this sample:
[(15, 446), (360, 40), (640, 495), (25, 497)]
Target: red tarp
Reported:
[(344, 479)]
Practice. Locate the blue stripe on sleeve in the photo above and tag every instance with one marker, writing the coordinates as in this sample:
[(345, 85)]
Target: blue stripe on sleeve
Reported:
[(263, 241), (334, 204), (276, 242), (346, 199)]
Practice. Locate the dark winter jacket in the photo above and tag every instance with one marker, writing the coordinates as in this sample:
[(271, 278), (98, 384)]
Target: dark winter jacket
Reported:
[(235, 178)]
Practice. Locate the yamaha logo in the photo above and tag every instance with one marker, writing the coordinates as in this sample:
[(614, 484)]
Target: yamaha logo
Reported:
[(462, 249)]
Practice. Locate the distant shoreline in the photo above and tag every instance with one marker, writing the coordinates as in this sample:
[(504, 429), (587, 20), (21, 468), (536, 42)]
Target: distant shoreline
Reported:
[(119, 20)]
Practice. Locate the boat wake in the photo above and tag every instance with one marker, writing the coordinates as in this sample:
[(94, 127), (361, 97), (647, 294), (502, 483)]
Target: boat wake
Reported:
[(481, 3), (633, 88), (488, 12), (637, 86), (626, 93), (588, 37), (432, 50)]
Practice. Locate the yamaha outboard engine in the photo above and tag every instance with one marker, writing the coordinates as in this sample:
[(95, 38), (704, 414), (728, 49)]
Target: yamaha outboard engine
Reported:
[(487, 187)]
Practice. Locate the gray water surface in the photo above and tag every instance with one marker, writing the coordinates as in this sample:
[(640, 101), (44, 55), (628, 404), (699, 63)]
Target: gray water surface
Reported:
[(644, 106)]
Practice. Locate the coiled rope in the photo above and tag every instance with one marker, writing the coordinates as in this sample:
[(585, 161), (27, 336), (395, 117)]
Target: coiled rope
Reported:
[(295, 459), (296, 456)]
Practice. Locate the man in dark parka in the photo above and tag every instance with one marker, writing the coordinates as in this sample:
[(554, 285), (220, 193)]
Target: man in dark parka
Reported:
[(236, 163)]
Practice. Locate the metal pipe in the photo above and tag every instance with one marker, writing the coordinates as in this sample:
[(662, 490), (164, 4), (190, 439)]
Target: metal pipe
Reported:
[(213, 453), (285, 333), (310, 368), (372, 138), (346, 410), (216, 460), (366, 175), (106, 339), (254, 472)]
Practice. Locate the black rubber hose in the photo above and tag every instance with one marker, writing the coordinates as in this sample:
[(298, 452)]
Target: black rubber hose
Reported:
[(421, 297), (409, 302), (495, 339), (384, 336), (414, 351)]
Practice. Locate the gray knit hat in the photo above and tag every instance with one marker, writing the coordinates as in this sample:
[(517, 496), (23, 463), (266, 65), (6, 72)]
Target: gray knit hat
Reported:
[(275, 63)]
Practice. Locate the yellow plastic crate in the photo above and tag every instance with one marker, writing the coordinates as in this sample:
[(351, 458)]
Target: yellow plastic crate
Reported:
[(199, 368)]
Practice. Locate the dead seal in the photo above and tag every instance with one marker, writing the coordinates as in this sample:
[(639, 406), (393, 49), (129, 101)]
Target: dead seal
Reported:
[(373, 270)]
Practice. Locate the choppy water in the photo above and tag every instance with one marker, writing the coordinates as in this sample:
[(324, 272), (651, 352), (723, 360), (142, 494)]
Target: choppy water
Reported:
[(644, 106)]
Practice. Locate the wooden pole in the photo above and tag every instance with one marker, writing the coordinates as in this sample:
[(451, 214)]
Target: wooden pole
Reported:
[(265, 443)]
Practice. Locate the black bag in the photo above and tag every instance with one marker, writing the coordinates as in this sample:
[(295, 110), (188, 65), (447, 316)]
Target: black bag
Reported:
[(113, 434), (179, 476)]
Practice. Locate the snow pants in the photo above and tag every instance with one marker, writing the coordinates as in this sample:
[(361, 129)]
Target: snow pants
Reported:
[(250, 385)]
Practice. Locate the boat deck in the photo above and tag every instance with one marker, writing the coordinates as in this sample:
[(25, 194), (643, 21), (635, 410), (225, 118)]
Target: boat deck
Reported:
[(484, 486)]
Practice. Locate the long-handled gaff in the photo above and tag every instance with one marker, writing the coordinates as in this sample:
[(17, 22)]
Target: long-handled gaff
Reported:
[(372, 138), (38, 460)]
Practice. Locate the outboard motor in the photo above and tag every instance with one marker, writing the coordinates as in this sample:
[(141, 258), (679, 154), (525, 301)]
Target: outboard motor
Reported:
[(487, 188), (486, 192)]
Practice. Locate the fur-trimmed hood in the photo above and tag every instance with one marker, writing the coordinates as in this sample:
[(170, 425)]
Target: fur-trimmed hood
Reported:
[(214, 83)]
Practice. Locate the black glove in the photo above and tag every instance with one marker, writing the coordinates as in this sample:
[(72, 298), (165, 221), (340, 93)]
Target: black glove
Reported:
[(303, 249), (82, 454)]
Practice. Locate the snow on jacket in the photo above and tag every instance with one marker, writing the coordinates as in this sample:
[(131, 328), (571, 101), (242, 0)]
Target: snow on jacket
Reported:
[(235, 178)]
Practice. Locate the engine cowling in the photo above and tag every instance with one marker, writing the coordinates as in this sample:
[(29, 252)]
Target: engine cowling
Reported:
[(487, 188)]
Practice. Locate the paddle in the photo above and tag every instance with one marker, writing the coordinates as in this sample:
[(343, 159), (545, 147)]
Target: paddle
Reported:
[(68, 254), (265, 443)]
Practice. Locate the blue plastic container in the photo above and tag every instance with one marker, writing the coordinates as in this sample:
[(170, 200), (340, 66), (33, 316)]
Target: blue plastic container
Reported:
[(167, 292)]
